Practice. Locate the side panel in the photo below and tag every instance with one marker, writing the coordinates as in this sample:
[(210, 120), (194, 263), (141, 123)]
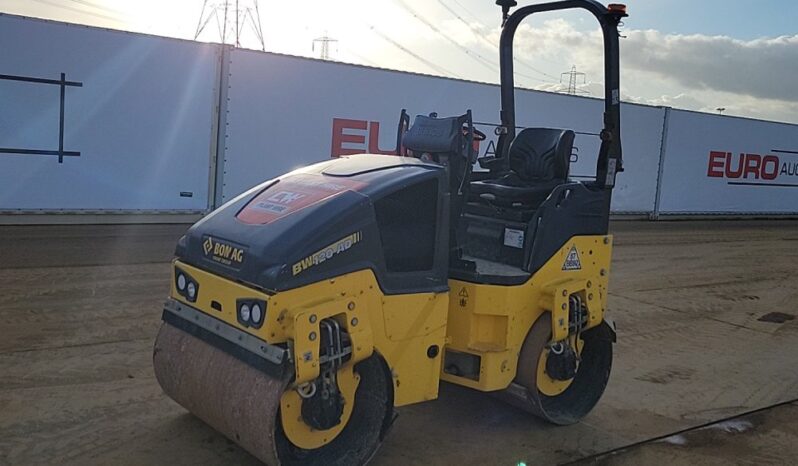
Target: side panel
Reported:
[(401, 328), (285, 112), (142, 121), (492, 321), (726, 165)]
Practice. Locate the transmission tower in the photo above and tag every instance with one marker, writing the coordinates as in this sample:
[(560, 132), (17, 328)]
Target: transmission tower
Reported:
[(231, 17), (325, 42), (573, 81)]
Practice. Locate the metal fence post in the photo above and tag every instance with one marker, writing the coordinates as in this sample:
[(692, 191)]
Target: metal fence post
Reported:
[(217, 167), (663, 147)]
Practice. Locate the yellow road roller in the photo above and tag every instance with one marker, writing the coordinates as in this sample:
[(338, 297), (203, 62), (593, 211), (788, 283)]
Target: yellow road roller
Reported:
[(303, 312)]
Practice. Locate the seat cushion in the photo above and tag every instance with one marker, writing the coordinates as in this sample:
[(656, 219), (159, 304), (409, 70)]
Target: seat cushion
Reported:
[(539, 159), (510, 190)]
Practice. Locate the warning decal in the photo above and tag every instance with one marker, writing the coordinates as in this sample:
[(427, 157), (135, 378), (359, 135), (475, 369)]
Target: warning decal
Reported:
[(572, 261), (463, 297)]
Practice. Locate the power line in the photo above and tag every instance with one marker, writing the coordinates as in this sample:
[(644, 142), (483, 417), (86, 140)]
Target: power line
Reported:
[(467, 11), (474, 30), (99, 7), (81, 11), (360, 57), (423, 60), (479, 34), (491, 65), (477, 57)]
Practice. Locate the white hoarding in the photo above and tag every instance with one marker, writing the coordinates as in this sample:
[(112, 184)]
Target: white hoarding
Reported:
[(284, 112), (726, 165), (135, 132)]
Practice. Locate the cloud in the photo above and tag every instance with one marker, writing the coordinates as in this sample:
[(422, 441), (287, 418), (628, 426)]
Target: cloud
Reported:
[(558, 42), (753, 78), (764, 68), (733, 104), (680, 101)]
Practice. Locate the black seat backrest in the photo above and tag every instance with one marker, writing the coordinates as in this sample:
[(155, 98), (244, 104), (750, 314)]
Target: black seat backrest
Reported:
[(542, 154)]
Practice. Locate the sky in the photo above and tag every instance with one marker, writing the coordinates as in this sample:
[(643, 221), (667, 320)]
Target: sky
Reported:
[(698, 55)]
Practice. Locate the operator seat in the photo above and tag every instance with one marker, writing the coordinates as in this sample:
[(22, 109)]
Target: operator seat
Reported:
[(539, 162)]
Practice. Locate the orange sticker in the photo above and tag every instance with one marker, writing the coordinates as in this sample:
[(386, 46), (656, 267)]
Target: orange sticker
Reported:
[(291, 194)]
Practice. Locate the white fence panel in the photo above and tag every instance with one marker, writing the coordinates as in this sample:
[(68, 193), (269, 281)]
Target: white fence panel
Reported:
[(137, 132), (727, 165), (141, 121), (284, 112)]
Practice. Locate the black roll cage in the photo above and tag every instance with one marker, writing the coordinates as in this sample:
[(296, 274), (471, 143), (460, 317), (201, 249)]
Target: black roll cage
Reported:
[(609, 160)]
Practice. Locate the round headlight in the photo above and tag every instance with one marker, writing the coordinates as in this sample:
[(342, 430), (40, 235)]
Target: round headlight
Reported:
[(191, 289), (257, 314), (181, 282), (244, 312)]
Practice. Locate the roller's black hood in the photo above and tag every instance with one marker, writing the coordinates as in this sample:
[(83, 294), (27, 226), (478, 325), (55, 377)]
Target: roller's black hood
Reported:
[(307, 225)]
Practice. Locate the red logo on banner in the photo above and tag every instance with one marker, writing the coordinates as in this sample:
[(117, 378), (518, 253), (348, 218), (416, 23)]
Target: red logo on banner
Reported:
[(755, 166), (364, 133), (293, 193), (349, 132), (750, 167)]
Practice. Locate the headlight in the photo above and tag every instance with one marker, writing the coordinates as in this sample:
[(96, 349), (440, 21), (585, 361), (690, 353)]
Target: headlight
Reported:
[(256, 314), (186, 286), (244, 312), (191, 291), (251, 312)]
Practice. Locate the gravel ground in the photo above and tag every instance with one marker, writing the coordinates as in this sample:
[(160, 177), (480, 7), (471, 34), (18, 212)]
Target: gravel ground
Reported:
[(80, 307)]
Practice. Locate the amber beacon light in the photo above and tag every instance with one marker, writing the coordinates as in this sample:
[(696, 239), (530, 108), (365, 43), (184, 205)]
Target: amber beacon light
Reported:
[(617, 7)]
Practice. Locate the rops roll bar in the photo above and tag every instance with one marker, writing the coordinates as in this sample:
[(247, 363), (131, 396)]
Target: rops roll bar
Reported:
[(609, 160)]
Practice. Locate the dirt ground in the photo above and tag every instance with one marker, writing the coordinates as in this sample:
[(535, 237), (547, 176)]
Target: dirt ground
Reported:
[(80, 306)]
